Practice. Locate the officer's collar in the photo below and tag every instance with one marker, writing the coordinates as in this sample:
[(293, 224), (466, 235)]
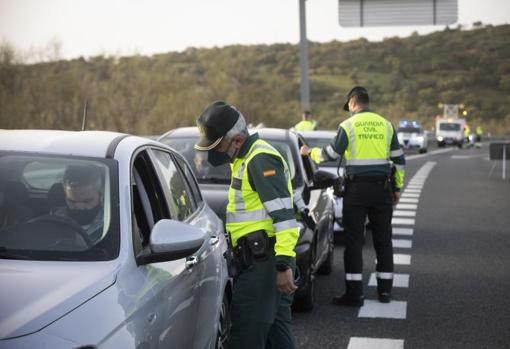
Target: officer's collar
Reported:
[(362, 110), (247, 145)]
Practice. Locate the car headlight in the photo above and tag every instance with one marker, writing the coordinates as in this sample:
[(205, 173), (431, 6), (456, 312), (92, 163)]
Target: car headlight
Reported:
[(440, 138)]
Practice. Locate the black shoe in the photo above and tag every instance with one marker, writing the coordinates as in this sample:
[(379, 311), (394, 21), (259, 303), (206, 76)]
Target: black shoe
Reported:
[(384, 297), (349, 301)]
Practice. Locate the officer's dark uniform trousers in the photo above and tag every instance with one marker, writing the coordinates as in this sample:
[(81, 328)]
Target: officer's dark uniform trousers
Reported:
[(372, 197)]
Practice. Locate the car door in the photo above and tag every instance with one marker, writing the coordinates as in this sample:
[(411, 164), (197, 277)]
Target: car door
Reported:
[(171, 287), (185, 203)]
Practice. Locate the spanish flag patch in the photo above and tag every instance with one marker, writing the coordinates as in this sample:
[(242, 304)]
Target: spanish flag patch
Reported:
[(269, 173)]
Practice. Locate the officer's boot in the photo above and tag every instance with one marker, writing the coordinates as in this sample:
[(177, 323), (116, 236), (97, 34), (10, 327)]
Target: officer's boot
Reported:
[(384, 289), (353, 297)]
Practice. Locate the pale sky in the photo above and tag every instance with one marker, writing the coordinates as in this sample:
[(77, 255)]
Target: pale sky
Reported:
[(123, 27)]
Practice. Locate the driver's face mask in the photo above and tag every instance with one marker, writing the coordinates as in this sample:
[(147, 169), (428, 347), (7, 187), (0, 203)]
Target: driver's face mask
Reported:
[(218, 158)]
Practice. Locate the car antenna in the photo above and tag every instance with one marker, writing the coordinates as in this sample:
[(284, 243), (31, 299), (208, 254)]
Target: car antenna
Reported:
[(84, 118)]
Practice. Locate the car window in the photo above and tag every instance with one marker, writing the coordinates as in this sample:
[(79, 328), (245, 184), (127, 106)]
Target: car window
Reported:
[(409, 129), (178, 195), (148, 205), (449, 127), (190, 178), (314, 142), (58, 208)]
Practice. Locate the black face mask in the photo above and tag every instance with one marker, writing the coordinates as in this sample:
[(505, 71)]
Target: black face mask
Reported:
[(83, 217), (217, 158)]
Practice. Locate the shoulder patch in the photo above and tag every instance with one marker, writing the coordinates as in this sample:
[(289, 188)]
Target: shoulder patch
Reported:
[(269, 173)]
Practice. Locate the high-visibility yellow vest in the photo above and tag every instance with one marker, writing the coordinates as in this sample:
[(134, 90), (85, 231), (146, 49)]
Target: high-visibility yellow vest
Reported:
[(305, 125), (369, 139), (246, 212)]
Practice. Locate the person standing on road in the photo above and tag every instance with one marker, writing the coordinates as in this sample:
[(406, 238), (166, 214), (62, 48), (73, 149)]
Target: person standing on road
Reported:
[(262, 228), (370, 145), (307, 124)]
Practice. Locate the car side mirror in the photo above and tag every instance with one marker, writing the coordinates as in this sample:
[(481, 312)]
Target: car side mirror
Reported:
[(171, 240), (323, 179)]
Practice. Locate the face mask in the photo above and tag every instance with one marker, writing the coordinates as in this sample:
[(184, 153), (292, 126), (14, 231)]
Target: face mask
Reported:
[(83, 217), (217, 158)]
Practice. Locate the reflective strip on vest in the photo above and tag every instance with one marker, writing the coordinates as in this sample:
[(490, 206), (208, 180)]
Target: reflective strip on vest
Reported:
[(352, 138), (386, 276), (354, 277), (278, 204), (397, 152), (389, 135), (399, 167), (358, 162), (246, 216), (280, 226), (332, 153)]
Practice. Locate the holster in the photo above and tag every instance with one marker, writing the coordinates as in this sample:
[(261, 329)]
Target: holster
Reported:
[(338, 186), (252, 247)]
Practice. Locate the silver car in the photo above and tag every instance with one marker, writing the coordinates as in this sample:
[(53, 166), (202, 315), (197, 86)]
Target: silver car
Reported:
[(142, 268)]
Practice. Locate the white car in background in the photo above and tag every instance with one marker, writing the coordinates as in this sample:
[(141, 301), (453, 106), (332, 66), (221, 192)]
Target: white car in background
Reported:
[(322, 139), (412, 136)]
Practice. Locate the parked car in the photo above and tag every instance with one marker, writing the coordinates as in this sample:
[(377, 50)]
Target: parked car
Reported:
[(322, 139), (411, 135), (315, 245), (154, 275)]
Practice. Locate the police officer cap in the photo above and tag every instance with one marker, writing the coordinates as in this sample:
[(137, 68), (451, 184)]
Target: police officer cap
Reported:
[(213, 124), (355, 91)]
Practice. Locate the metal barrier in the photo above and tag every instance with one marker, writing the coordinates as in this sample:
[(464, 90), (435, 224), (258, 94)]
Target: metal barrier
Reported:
[(500, 151)]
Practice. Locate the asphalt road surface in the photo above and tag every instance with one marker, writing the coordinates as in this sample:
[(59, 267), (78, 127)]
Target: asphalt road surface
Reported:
[(452, 264)]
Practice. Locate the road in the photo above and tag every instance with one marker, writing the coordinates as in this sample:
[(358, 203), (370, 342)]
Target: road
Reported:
[(452, 260)]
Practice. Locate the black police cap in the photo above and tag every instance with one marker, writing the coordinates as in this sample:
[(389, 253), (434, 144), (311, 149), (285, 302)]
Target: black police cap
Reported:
[(213, 124), (355, 91)]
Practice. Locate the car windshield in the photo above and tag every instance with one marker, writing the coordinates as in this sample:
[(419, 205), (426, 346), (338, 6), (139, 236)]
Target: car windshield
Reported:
[(409, 129), (321, 143), (449, 127), (57, 208), (206, 173)]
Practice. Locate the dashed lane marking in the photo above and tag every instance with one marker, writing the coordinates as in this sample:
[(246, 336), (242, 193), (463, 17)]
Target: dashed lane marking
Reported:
[(399, 280), (400, 213), (411, 190), (401, 259), (376, 309), (402, 221), (412, 200), (410, 195), (402, 243), (375, 343), (407, 207), (402, 231)]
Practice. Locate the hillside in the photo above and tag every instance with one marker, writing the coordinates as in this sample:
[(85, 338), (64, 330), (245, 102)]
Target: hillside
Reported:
[(407, 78)]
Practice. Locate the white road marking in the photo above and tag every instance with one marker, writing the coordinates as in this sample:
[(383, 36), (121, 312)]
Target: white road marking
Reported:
[(376, 309), (375, 343), (414, 186), (402, 221), (399, 213), (402, 231), (399, 280), (402, 243), (402, 259), (407, 207), (410, 200), (435, 152), (410, 195), (412, 190)]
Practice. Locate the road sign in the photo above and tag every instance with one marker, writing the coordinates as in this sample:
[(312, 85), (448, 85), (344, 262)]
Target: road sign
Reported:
[(451, 110), (371, 13)]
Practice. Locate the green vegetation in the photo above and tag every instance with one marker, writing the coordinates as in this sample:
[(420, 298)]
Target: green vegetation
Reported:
[(407, 79)]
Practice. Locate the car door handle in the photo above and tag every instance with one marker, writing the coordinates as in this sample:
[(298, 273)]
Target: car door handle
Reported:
[(151, 317), (191, 262), (214, 240)]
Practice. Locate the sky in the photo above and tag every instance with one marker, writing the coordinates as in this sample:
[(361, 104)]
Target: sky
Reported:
[(125, 27)]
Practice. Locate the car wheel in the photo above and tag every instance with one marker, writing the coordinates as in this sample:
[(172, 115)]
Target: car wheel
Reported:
[(327, 266), (305, 302), (224, 324)]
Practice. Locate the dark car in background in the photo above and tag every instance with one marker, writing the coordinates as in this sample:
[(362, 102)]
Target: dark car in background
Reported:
[(314, 249)]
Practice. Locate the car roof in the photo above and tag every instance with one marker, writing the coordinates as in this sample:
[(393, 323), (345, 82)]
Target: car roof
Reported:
[(266, 132), (318, 134), (78, 143)]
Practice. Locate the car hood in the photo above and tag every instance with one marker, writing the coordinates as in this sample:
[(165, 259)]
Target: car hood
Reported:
[(36, 293)]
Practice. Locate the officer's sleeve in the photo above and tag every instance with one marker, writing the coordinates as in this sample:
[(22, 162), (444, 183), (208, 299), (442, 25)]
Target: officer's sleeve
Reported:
[(398, 158), (332, 151), (268, 179)]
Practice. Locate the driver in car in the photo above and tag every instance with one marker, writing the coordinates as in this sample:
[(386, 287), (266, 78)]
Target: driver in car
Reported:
[(83, 197)]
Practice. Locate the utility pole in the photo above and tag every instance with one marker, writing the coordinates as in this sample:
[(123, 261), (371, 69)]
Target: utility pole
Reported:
[(303, 57)]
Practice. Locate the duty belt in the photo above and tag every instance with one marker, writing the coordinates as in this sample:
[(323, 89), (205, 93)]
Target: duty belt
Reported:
[(367, 179)]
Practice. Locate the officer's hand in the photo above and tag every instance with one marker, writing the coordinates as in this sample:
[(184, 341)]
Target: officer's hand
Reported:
[(305, 151), (396, 197), (285, 281)]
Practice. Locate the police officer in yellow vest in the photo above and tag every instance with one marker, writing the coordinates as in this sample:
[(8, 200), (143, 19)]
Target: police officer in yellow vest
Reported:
[(370, 145), (307, 124), (262, 228)]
